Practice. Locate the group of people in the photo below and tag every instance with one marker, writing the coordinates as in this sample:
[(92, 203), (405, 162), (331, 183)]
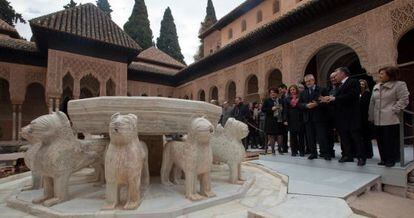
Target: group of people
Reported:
[(313, 115)]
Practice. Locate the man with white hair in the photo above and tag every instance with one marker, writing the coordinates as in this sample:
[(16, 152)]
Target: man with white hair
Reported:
[(314, 117), (348, 117)]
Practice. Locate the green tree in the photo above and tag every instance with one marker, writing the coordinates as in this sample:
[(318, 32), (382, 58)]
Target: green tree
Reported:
[(104, 6), (209, 20), (8, 14), (168, 40), (138, 25), (71, 4)]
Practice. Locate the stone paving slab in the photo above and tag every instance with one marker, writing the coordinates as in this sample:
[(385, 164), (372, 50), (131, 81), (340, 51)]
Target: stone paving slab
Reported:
[(320, 181)]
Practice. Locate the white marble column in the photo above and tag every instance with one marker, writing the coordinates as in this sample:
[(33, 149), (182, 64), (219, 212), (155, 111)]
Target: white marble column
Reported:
[(102, 88), (57, 104), (14, 123), (19, 120), (76, 89), (51, 102)]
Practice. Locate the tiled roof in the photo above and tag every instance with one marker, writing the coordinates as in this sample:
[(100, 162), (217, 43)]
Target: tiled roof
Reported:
[(156, 55), (17, 44), (8, 29), (152, 68), (86, 21)]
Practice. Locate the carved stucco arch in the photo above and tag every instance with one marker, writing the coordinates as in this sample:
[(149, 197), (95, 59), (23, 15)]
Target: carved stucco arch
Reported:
[(305, 56), (402, 19), (246, 83), (199, 95), (35, 77), (267, 75), (89, 80), (227, 87), (210, 92), (71, 86)]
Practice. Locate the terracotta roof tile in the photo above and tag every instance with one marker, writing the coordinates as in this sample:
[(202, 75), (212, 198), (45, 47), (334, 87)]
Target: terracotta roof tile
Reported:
[(17, 44), (154, 54), (152, 68), (86, 21), (8, 29)]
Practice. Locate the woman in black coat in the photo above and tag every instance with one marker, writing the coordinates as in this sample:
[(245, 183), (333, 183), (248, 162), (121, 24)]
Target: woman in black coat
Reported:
[(366, 126), (292, 116), (273, 108)]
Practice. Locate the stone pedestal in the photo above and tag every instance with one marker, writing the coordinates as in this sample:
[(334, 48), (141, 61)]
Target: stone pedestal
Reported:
[(155, 148)]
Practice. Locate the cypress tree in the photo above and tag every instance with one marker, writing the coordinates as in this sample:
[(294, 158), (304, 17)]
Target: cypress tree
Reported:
[(71, 4), (104, 6), (168, 40), (209, 20), (8, 14), (138, 25)]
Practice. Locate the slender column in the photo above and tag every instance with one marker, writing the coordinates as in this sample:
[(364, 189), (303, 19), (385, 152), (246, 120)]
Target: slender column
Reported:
[(51, 101), (102, 89), (57, 106), (76, 89), (14, 123), (19, 120)]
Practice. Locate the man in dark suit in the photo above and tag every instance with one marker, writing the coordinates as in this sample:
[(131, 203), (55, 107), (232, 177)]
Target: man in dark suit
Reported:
[(314, 117), (284, 94), (347, 114), (241, 113)]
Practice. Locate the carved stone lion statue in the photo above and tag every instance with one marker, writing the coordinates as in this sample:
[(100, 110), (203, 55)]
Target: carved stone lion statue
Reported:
[(228, 148), (126, 162), (194, 157), (59, 155), (30, 159)]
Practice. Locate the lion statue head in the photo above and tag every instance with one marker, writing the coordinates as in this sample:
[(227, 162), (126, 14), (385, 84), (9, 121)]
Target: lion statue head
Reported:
[(123, 128), (200, 130), (47, 127), (236, 129)]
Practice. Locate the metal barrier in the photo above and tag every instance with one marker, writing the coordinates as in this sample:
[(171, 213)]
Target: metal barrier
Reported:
[(403, 138)]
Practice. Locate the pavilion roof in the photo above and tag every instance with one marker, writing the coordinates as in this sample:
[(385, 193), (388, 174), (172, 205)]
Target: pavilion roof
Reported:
[(153, 54), (85, 21), (8, 29)]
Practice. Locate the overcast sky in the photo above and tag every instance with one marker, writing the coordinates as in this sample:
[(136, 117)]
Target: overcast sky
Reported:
[(187, 15)]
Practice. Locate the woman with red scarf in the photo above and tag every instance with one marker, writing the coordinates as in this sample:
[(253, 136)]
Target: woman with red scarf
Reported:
[(292, 117)]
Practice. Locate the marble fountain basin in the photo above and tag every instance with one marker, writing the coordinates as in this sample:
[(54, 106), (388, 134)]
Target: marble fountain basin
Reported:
[(156, 115)]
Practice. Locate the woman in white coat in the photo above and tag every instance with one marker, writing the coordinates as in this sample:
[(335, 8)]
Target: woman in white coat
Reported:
[(389, 98)]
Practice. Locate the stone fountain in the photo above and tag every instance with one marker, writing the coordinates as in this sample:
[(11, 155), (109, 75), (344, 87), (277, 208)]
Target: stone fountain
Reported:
[(72, 168)]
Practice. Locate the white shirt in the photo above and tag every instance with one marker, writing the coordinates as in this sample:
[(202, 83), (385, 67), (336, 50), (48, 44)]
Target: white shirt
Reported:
[(344, 80)]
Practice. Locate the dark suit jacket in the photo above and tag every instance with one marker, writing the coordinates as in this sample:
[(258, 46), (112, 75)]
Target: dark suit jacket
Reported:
[(240, 112), (347, 106), (318, 114)]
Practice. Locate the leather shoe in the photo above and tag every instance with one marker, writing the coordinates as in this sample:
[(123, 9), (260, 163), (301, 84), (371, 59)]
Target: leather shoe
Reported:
[(302, 154), (327, 158), (313, 156), (381, 163), (361, 162), (346, 159), (390, 164)]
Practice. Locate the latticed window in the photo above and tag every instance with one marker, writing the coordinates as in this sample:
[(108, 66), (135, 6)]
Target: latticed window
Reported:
[(243, 25), (276, 6), (230, 33), (259, 16)]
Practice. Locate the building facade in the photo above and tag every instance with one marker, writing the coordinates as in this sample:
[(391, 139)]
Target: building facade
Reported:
[(80, 53)]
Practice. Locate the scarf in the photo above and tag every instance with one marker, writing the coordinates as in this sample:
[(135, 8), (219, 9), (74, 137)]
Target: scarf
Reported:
[(294, 101)]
